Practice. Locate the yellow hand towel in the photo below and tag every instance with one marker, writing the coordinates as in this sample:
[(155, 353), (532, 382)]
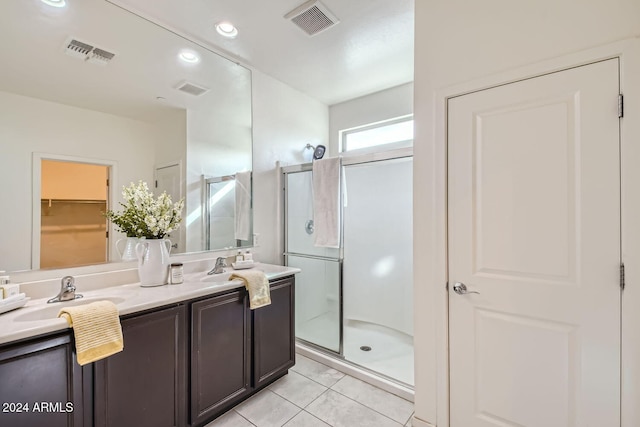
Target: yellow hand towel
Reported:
[(258, 286), (96, 327)]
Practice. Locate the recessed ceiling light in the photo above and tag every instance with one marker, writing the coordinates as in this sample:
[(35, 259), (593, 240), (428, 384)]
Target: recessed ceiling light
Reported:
[(189, 56), (55, 3), (226, 29)]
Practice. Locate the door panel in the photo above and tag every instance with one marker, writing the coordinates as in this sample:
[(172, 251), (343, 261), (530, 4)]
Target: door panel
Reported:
[(168, 180), (299, 211), (534, 227)]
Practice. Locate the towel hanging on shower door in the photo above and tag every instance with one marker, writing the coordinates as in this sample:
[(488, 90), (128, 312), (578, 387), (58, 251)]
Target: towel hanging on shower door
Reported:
[(243, 206), (326, 202)]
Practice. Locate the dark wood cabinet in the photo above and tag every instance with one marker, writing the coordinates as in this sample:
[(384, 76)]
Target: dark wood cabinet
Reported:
[(274, 335), (41, 384), (236, 351), (220, 354), (145, 384), (182, 365)]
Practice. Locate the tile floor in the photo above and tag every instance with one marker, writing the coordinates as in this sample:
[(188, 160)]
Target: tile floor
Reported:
[(313, 394)]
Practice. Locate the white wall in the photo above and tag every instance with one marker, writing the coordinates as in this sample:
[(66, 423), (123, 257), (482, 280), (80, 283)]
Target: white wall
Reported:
[(386, 104), (378, 264), (459, 41), (284, 121), (29, 125)]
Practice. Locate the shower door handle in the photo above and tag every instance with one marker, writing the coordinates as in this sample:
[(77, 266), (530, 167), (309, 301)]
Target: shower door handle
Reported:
[(461, 289)]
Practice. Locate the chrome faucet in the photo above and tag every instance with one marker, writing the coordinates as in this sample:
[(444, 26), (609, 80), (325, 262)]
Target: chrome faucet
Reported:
[(219, 267), (67, 291)]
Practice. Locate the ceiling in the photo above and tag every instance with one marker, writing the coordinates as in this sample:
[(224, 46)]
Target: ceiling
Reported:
[(370, 49), (140, 82)]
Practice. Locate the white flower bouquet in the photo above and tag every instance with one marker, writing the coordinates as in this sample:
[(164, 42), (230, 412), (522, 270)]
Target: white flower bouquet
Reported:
[(144, 215)]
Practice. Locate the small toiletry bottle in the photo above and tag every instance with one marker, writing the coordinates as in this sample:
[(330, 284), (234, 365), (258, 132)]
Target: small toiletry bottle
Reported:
[(239, 257), (176, 275), (248, 256)]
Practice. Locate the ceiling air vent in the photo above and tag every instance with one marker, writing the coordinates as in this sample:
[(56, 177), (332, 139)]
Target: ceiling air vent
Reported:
[(99, 56), (77, 49), (312, 17), (87, 52), (191, 88)]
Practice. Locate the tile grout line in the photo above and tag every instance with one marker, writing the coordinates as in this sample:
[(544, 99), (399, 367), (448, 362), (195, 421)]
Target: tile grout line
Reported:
[(353, 400), (319, 419), (244, 418), (362, 404), (296, 414), (343, 375)]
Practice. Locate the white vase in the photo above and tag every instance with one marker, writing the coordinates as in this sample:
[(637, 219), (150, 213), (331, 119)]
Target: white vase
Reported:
[(127, 248), (153, 261)]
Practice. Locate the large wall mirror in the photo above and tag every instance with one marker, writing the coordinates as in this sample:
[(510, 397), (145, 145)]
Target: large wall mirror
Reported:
[(93, 86)]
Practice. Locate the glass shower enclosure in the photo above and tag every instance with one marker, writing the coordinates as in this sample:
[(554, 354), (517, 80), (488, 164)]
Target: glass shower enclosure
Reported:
[(356, 301)]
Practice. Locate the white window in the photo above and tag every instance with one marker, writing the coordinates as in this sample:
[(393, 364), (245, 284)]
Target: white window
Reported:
[(395, 133)]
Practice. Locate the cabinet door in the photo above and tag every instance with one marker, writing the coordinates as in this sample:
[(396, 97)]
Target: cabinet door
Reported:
[(274, 334), (220, 354), (145, 385), (40, 384)]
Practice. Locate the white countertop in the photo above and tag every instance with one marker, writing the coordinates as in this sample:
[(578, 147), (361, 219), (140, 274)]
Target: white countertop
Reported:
[(129, 298)]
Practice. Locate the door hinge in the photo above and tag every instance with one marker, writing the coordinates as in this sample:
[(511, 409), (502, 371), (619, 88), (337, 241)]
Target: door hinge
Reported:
[(620, 106), (107, 234), (107, 182), (622, 284), (446, 286), (156, 183)]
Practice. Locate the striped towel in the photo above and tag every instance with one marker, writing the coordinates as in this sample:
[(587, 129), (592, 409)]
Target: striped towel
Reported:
[(97, 330)]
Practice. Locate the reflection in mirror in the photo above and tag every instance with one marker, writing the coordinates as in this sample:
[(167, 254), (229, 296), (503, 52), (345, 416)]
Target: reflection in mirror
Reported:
[(73, 230), (228, 211), (96, 82)]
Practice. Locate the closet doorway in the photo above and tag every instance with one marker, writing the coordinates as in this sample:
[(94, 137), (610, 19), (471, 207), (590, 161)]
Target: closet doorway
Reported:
[(72, 200), (534, 251)]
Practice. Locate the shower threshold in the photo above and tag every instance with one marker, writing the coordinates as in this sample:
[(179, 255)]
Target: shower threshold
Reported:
[(338, 363)]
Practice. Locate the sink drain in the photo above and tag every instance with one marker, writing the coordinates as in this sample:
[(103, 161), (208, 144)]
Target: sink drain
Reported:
[(365, 348)]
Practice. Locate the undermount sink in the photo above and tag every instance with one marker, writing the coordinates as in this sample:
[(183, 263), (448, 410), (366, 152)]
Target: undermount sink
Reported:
[(222, 277), (50, 311)]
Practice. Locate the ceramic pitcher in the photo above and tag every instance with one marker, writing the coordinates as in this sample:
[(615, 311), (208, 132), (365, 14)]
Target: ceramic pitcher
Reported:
[(153, 261), (127, 248)]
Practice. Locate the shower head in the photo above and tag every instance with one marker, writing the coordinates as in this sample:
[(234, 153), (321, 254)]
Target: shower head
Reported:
[(318, 153)]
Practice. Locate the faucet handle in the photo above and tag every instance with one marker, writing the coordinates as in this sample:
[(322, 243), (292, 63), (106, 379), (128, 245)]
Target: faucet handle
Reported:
[(67, 283), (67, 290), (221, 261)]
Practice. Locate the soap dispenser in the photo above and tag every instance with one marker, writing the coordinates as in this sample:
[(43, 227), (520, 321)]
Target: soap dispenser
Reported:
[(248, 256), (239, 257)]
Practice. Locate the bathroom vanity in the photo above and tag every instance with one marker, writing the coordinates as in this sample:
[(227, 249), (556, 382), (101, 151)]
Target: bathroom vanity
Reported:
[(184, 362)]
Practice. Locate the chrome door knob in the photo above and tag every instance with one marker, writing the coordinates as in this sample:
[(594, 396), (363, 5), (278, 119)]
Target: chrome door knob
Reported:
[(461, 289)]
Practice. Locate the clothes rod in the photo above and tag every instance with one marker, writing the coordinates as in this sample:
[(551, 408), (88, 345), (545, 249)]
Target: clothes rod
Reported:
[(73, 201)]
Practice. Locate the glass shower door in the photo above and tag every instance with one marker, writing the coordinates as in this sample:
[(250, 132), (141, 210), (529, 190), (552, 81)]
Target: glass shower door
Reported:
[(318, 285)]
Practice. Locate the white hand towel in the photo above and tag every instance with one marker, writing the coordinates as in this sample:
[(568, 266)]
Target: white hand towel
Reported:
[(326, 202), (243, 206), (258, 286)]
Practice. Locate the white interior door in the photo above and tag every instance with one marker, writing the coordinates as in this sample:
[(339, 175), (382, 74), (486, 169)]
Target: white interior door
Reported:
[(168, 179), (534, 227)]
